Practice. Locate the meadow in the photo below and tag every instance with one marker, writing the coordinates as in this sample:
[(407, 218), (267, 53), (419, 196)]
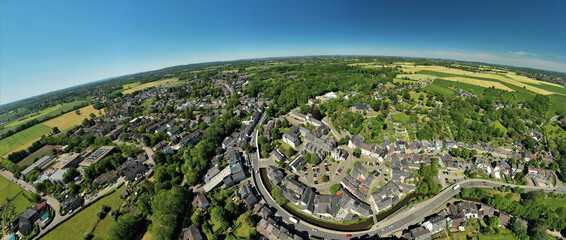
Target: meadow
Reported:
[(71, 119), (23, 139), (85, 220), (8, 189), (132, 87)]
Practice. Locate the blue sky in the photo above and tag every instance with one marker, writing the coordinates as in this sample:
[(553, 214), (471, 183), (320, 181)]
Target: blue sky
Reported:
[(50, 45)]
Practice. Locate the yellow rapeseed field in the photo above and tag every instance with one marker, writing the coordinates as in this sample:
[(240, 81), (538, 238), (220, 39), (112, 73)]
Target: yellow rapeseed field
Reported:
[(481, 83), (70, 119), (148, 85)]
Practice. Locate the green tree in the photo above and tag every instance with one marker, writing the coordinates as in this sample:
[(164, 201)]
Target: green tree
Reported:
[(278, 196), (325, 178), (334, 188), (168, 207), (127, 227), (56, 130), (357, 152)]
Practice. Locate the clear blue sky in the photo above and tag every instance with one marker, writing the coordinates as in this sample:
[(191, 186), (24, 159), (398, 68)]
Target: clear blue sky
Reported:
[(50, 45)]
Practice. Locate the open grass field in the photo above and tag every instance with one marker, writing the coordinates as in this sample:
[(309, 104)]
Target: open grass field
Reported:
[(132, 88), (71, 119), (37, 154), (554, 203), (8, 189), (400, 117), (85, 220), (20, 139)]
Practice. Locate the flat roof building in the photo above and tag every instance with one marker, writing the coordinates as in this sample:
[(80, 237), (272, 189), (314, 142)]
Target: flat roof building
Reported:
[(96, 156)]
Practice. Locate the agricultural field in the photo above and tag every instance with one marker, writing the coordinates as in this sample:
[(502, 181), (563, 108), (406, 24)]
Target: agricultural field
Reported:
[(71, 119), (481, 83), (132, 87), (52, 111), (417, 76), (37, 154), (23, 139), (86, 220)]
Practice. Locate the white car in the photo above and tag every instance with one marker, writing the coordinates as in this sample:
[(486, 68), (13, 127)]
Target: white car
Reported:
[(315, 230)]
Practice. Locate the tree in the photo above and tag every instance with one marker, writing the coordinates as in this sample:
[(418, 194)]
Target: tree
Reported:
[(56, 130), (325, 178), (78, 112), (168, 207), (334, 188), (126, 227), (357, 152), (70, 175), (407, 96), (92, 115), (493, 222), (278, 196), (356, 163)]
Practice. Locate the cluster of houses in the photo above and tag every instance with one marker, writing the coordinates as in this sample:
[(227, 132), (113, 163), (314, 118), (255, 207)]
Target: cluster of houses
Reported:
[(463, 93), (341, 206), (454, 216), (228, 176)]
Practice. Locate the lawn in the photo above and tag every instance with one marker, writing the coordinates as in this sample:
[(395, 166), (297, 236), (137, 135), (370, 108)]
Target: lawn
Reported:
[(400, 117), (147, 85), (85, 220), (8, 189), (554, 203), (52, 111), (37, 154), (71, 119), (243, 230), (23, 139)]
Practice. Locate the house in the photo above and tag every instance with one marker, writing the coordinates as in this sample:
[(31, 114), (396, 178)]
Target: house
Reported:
[(292, 137), (339, 154), (418, 233), (71, 203), (200, 201), (278, 155), (191, 233), (536, 135), (105, 177), (437, 224), (297, 163), (538, 173), (361, 108)]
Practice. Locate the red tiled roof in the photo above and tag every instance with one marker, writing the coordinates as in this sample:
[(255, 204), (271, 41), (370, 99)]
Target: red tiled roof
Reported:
[(41, 205)]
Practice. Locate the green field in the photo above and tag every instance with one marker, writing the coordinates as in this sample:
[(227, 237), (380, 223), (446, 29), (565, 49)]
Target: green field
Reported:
[(554, 203), (22, 138), (400, 117), (8, 189), (417, 76), (84, 221)]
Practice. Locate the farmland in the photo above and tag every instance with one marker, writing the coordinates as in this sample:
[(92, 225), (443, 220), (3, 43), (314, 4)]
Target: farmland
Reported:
[(130, 88), (86, 220), (46, 113), (23, 139), (71, 119)]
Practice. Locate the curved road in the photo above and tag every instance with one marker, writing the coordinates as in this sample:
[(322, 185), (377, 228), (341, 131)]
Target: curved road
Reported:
[(399, 221)]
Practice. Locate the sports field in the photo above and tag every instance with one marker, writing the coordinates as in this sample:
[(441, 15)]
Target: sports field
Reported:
[(71, 119), (23, 139), (84, 221), (132, 87)]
